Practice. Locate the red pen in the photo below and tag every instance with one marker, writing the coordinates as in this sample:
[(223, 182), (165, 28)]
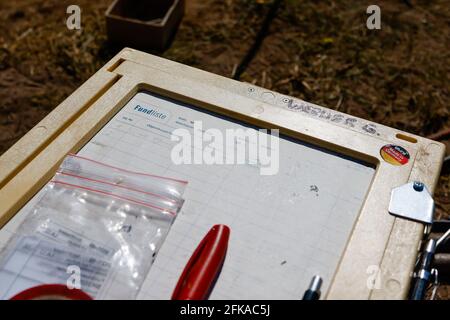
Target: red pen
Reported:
[(201, 271)]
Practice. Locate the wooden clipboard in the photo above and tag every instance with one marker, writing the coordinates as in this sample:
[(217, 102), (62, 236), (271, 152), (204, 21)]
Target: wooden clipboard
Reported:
[(378, 239)]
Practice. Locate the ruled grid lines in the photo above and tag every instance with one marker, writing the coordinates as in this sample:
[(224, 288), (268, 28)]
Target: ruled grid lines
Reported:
[(281, 232)]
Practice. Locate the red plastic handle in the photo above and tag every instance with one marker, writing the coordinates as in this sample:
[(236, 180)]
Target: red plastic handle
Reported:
[(51, 292), (204, 266)]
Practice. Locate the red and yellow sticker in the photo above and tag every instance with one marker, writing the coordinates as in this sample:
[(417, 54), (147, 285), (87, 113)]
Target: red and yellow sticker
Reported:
[(395, 155)]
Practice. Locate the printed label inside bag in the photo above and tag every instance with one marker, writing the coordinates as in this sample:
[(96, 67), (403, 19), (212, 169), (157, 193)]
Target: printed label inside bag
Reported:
[(395, 155), (35, 260), (63, 235)]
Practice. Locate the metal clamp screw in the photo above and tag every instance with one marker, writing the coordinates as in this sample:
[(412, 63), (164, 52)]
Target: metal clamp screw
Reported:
[(418, 186), (412, 201)]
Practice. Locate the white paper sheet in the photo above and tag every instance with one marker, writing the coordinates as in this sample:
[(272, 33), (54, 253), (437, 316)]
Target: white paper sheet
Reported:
[(285, 228)]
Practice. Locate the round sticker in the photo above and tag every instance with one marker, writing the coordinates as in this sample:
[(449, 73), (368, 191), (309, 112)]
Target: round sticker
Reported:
[(395, 155)]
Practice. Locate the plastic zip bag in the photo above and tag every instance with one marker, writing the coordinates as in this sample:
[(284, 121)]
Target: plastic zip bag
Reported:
[(162, 186), (97, 228)]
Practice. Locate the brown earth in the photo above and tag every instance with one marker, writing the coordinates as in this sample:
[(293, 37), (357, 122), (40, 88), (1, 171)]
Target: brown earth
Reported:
[(318, 51)]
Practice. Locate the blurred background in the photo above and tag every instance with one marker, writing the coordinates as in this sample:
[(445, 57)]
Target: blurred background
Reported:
[(319, 51)]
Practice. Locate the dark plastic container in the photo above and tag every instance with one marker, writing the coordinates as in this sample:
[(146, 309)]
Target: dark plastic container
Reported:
[(144, 24)]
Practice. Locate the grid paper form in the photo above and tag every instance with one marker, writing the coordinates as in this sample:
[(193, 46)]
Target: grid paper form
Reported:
[(285, 228)]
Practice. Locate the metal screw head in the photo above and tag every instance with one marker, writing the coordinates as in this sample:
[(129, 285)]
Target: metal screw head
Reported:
[(418, 186)]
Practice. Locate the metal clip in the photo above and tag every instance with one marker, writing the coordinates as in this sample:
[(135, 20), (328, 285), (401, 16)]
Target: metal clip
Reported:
[(435, 286), (412, 201)]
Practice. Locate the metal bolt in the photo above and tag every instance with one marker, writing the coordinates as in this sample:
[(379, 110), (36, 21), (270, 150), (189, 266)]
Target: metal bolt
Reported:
[(418, 186)]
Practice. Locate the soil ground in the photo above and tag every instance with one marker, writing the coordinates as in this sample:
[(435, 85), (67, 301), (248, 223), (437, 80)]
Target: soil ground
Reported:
[(319, 51)]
